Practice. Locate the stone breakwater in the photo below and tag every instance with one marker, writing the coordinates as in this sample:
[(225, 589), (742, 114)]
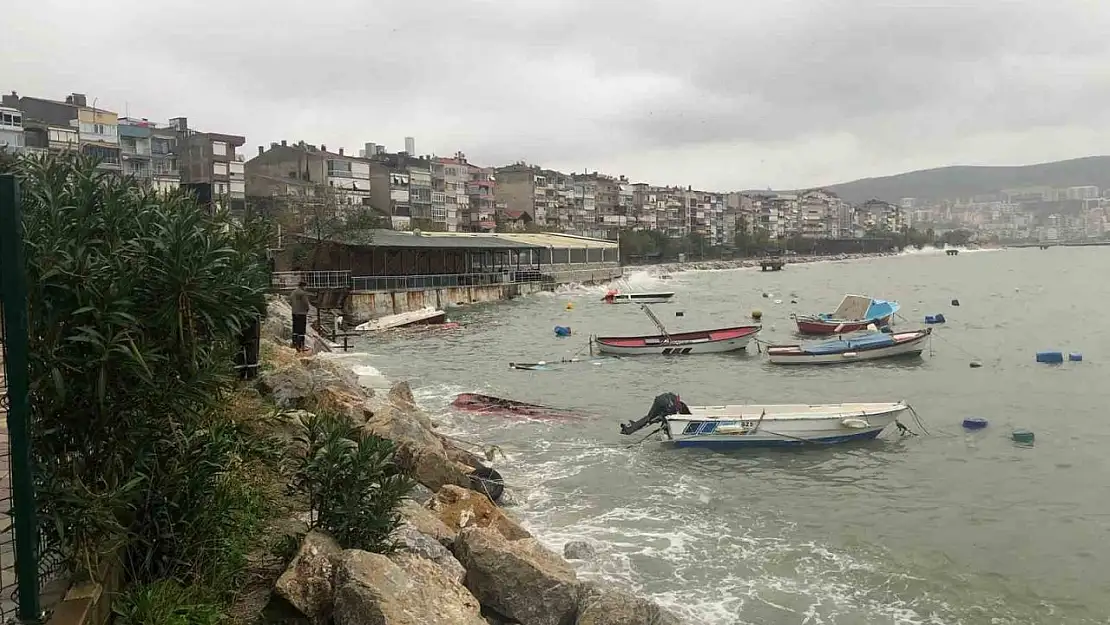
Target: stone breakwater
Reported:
[(703, 265), (460, 559)]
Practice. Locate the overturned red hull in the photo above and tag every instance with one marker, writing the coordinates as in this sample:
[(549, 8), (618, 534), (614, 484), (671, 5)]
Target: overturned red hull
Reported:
[(488, 404)]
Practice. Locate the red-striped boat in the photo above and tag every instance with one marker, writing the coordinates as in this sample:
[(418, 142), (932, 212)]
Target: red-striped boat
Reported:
[(855, 312)]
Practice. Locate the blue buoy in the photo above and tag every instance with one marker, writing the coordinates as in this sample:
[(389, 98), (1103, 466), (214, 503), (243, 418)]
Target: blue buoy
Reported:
[(1050, 357), (937, 318), (974, 423), (1075, 357), (562, 330), (1024, 437)]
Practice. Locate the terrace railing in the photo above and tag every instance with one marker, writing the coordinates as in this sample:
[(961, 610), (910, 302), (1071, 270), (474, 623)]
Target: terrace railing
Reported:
[(317, 280)]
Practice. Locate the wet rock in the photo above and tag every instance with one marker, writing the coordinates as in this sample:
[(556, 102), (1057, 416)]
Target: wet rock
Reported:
[(579, 550), (328, 372), (409, 540), (460, 508), (431, 467), (404, 589), (307, 583), (600, 605), (426, 522), (401, 426), (421, 494), (520, 579)]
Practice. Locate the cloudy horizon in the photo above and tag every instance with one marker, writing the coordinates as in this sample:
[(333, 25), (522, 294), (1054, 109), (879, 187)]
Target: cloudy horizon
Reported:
[(718, 95)]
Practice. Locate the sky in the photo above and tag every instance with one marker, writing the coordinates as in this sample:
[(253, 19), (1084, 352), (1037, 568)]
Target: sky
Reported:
[(718, 94)]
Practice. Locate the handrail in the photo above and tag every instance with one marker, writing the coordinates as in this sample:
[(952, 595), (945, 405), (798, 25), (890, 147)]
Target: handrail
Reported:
[(287, 280)]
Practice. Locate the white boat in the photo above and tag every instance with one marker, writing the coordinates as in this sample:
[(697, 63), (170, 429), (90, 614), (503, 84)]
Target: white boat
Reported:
[(616, 297), (424, 315), (857, 348), (681, 343), (782, 425)]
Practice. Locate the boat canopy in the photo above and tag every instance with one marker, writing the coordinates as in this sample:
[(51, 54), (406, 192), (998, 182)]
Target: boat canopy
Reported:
[(867, 341), (880, 309)]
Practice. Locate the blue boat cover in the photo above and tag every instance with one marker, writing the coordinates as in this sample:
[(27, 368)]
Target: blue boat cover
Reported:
[(880, 308), (877, 339)]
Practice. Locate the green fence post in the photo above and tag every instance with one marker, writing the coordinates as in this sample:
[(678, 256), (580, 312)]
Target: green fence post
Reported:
[(13, 298)]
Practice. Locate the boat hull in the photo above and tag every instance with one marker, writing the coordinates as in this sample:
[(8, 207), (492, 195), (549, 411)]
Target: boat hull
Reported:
[(708, 342), (497, 406), (906, 345), (400, 320), (819, 327), (638, 298), (830, 427)]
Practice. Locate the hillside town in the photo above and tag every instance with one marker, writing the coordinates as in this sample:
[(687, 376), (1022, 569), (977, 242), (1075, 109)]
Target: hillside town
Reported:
[(409, 191)]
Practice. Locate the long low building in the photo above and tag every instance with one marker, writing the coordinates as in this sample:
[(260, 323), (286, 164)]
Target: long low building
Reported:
[(388, 271)]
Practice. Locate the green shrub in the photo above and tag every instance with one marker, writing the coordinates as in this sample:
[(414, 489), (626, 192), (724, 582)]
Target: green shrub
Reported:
[(165, 603), (353, 485), (135, 302)]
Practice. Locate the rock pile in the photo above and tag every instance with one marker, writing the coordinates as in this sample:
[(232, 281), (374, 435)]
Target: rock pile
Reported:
[(459, 559)]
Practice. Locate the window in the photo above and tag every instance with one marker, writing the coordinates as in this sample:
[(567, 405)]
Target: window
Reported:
[(219, 169), (219, 148)]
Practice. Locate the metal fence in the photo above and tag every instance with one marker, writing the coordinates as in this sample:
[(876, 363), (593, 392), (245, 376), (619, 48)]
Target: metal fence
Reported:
[(286, 280), (20, 582)]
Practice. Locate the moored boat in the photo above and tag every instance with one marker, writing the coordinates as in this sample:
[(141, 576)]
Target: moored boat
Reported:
[(869, 346), (616, 297), (782, 425), (488, 404), (855, 312), (697, 342)]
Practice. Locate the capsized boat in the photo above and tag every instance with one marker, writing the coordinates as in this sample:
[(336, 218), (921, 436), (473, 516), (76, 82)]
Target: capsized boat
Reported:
[(855, 312), (424, 315), (697, 342), (616, 297), (865, 346), (488, 404), (783, 425)]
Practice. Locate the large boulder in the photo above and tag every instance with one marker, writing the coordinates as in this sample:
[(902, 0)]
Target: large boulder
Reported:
[(401, 426), (329, 372), (461, 508), (519, 579), (289, 387), (307, 582), (409, 540), (430, 465), (598, 605), (426, 522), (371, 589)]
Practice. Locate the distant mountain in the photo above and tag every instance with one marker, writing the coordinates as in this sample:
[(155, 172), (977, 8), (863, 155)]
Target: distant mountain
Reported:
[(964, 181)]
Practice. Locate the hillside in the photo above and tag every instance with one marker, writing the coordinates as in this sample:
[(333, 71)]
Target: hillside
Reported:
[(965, 181)]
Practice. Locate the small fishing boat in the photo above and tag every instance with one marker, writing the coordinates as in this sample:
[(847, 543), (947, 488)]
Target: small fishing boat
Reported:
[(697, 342), (867, 346), (488, 404), (783, 425), (855, 312), (424, 315), (616, 297)]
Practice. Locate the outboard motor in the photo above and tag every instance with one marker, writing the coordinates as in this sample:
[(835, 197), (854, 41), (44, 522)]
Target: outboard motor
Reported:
[(664, 405)]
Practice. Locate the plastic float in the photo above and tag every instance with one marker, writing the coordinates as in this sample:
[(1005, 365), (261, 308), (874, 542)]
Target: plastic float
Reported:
[(562, 331), (937, 318), (757, 315), (955, 302), (974, 423), (1075, 357), (1050, 357), (1022, 437)]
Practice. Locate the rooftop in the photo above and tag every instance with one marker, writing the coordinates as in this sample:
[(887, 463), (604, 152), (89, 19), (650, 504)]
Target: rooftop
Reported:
[(430, 240)]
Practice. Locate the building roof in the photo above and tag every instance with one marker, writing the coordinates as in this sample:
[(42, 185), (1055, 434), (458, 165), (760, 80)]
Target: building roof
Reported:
[(539, 239), (431, 240)]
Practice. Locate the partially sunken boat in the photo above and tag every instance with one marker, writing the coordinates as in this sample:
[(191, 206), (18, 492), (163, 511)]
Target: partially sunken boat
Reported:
[(697, 342), (427, 315), (783, 425), (855, 312), (868, 346), (616, 297), (488, 404)]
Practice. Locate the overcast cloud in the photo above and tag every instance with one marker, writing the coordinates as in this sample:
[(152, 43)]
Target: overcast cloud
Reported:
[(719, 94)]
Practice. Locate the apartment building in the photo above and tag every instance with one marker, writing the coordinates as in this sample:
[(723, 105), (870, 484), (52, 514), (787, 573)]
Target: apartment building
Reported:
[(450, 177), (66, 125), (482, 191), (210, 158), (880, 215), (526, 188), (336, 180), (11, 129), (402, 188), (148, 153)]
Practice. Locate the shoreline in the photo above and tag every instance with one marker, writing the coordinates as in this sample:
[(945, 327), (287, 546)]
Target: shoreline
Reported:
[(461, 557), (749, 263)]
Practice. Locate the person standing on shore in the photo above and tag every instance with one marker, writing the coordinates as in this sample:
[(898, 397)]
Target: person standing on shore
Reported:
[(301, 301)]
